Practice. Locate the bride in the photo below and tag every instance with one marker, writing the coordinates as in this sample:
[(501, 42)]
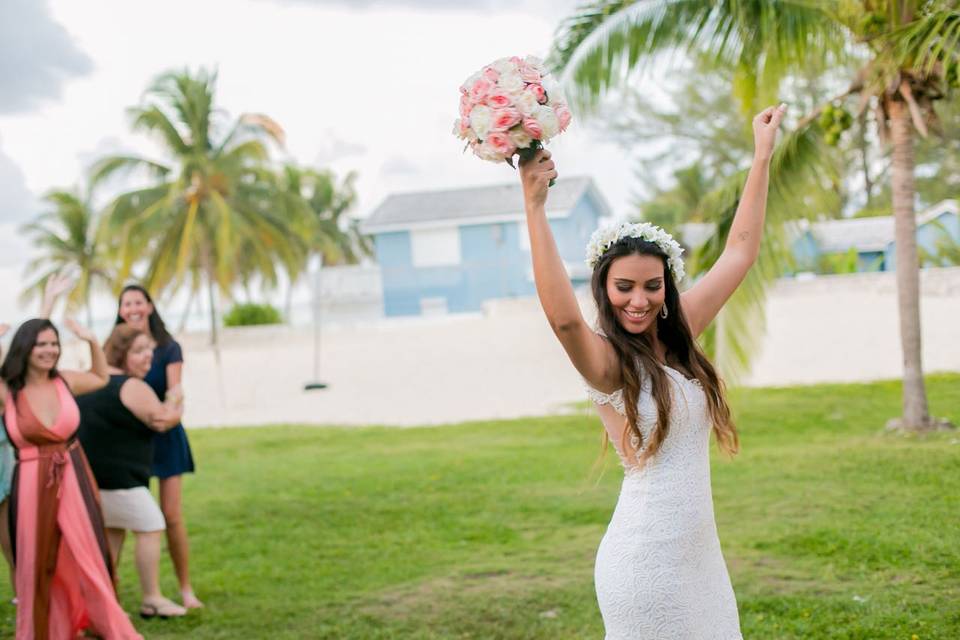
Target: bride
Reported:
[(659, 570)]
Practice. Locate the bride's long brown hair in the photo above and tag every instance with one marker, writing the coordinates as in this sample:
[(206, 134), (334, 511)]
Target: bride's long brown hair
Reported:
[(638, 360)]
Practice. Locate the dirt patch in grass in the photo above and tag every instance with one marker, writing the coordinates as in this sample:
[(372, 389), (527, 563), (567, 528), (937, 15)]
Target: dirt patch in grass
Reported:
[(426, 599)]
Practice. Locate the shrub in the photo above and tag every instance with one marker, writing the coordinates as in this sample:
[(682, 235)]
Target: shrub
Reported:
[(247, 314)]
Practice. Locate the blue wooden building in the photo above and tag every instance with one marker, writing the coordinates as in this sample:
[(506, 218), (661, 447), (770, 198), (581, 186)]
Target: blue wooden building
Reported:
[(939, 223), (872, 239), (449, 251)]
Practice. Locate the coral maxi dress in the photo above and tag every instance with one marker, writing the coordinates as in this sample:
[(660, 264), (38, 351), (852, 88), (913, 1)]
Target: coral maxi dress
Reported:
[(63, 570)]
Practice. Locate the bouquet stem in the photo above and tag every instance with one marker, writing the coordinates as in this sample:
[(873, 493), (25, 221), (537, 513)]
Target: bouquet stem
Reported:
[(527, 154)]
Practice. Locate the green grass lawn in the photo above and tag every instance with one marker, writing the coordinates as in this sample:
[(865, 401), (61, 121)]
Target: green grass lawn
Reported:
[(831, 528)]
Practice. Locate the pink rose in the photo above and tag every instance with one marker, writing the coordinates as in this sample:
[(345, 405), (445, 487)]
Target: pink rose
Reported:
[(529, 74), (491, 74), (501, 143), (533, 128), (498, 100), (465, 105), (503, 119), (563, 115), (480, 89), (538, 92)]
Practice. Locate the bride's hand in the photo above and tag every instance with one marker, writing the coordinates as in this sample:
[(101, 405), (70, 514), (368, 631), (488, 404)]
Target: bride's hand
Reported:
[(765, 126), (535, 176)]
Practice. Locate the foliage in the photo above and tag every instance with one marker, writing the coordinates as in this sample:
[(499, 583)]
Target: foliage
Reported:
[(946, 248), (66, 235), (327, 203), (837, 263), (209, 213), (250, 313), (489, 530), (907, 56)]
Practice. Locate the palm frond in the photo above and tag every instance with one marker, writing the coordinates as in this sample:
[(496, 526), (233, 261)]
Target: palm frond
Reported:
[(930, 43), (799, 162), (152, 119), (603, 42), (121, 165)]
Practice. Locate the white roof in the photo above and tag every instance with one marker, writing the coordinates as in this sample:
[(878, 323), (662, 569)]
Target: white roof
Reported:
[(475, 205), (835, 236)]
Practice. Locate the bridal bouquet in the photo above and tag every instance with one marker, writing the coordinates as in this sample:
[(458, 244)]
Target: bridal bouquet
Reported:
[(510, 107)]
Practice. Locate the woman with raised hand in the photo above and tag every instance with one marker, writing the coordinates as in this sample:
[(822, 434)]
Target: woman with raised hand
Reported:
[(55, 286), (659, 571), (172, 456), (117, 425), (64, 575)]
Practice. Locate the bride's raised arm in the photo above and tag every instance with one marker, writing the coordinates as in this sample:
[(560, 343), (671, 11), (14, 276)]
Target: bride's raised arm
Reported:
[(592, 355), (702, 302)]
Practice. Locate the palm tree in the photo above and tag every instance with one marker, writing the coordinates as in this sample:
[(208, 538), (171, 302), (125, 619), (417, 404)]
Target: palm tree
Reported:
[(335, 236), (907, 53), (67, 237), (315, 197), (210, 215)]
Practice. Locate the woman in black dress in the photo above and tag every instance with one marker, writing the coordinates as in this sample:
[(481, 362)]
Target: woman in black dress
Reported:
[(117, 427), (171, 450)]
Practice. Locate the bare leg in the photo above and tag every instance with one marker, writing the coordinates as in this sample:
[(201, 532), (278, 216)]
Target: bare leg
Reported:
[(177, 542), (5, 541), (147, 555), (115, 542)]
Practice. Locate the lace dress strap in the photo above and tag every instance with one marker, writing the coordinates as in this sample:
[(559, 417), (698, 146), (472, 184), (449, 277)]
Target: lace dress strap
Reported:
[(615, 399)]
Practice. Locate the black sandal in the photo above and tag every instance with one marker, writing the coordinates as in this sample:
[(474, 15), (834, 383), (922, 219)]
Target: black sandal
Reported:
[(148, 611)]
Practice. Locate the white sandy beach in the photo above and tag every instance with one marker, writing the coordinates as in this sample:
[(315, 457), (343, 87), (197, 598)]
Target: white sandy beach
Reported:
[(506, 363)]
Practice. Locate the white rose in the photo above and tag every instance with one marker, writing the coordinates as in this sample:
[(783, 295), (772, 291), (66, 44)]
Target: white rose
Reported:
[(480, 119), (526, 103), (520, 138), (504, 65), (535, 62), (552, 87), (471, 80), (511, 82), (486, 152), (548, 120)]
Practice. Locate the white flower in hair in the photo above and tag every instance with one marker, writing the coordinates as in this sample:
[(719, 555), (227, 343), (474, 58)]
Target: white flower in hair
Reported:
[(608, 235)]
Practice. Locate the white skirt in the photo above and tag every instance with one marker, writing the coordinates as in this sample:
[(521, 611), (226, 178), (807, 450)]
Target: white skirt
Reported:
[(132, 509)]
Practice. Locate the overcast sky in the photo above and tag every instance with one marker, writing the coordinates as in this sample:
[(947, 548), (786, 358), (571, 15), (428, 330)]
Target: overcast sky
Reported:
[(369, 86)]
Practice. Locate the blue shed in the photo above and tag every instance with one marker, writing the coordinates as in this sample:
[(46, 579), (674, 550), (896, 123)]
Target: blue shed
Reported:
[(933, 224), (867, 236), (449, 251)]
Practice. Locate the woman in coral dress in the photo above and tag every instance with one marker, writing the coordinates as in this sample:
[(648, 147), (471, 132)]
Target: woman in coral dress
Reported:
[(64, 576)]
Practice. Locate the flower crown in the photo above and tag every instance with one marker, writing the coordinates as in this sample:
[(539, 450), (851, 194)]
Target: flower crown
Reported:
[(608, 235)]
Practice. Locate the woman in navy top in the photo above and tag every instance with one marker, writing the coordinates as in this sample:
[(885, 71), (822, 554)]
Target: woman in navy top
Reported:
[(171, 450)]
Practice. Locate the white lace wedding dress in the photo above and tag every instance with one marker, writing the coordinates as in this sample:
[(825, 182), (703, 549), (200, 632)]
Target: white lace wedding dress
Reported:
[(660, 574)]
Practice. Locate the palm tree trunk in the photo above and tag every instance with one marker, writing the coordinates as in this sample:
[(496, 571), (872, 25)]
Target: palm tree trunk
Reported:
[(863, 147), (915, 412), (86, 303), (186, 311), (214, 334)]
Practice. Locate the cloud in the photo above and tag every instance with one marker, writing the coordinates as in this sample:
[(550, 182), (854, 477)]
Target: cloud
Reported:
[(37, 56), (551, 8), (17, 203), (398, 166), (333, 148)]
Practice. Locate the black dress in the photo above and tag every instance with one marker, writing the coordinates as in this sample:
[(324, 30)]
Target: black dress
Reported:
[(118, 445)]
